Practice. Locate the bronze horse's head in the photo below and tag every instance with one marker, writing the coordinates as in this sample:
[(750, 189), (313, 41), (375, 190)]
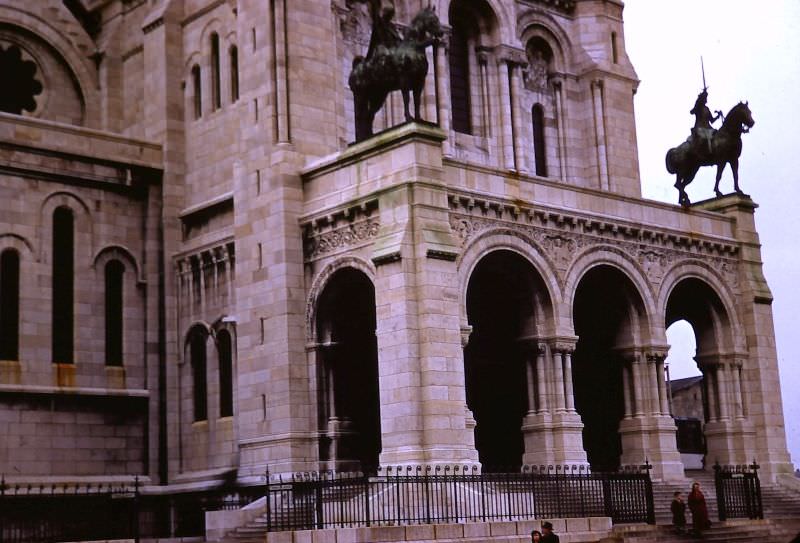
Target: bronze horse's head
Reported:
[(741, 115), (426, 23)]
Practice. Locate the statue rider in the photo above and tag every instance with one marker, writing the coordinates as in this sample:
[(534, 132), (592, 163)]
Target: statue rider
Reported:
[(384, 31), (703, 132)]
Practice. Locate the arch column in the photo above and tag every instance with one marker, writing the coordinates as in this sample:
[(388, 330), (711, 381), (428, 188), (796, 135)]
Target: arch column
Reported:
[(647, 430), (730, 436), (553, 432)]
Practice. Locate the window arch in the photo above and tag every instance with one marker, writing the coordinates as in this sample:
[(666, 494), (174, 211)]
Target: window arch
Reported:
[(9, 305), (539, 148), (197, 356), (114, 272), (234, 63), (464, 30), (63, 285), (216, 99), (197, 88), (225, 352)]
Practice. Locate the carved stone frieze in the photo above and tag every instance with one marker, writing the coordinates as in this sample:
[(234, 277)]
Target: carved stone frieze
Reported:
[(340, 229), (343, 237), (560, 238)]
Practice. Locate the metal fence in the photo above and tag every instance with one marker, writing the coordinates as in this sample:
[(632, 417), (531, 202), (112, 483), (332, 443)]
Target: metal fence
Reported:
[(86, 512), (738, 491), (406, 495), (46, 513)]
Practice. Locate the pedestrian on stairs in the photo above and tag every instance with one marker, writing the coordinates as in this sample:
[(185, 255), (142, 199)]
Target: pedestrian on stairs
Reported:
[(697, 505), (678, 508)]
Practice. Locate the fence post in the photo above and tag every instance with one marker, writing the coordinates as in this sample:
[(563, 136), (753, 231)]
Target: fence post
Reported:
[(759, 513), (648, 486), (268, 496), (2, 505), (719, 485), (136, 509)]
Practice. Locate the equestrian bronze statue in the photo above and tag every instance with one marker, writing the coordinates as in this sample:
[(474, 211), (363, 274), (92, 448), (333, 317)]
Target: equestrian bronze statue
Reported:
[(393, 62), (707, 146)]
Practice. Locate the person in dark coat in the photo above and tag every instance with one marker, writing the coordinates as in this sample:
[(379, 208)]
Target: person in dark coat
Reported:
[(678, 508), (697, 505), (547, 533)]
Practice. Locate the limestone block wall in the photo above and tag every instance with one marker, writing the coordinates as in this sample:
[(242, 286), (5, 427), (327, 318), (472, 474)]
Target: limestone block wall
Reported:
[(81, 417)]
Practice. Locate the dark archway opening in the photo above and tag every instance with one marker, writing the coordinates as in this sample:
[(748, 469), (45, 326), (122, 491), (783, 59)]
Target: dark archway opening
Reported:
[(500, 308), (602, 322), (695, 303), (349, 399)]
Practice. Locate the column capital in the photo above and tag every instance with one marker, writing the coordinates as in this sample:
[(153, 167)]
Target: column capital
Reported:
[(563, 344), (598, 83), (656, 355), (511, 55), (466, 332), (483, 54)]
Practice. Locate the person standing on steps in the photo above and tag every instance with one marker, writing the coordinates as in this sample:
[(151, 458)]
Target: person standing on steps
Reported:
[(697, 505), (547, 533), (678, 508)]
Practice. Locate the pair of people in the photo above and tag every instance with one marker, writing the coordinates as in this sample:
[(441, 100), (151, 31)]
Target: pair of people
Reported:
[(545, 536), (697, 505)]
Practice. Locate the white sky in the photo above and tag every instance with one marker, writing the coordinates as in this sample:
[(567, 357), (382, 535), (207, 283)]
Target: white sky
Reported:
[(751, 51)]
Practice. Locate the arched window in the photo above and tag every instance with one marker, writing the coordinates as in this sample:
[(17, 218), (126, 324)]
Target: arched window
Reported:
[(198, 92), (614, 54), (216, 99), (197, 348), (460, 73), (9, 305), (63, 285), (114, 274), (225, 351), (234, 61), (539, 149)]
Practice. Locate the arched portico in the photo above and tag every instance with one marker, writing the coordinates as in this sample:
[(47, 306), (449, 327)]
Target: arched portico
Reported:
[(726, 428), (347, 369), (620, 386)]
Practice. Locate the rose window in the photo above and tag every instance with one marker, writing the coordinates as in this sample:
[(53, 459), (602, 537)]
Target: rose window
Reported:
[(20, 85)]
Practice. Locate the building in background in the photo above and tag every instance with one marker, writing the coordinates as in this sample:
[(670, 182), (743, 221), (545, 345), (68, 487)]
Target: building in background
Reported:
[(202, 278)]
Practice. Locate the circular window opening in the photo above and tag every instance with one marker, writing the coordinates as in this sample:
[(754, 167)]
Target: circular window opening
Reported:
[(20, 85)]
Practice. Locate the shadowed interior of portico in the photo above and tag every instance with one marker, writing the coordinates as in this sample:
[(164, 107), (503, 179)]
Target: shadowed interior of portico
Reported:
[(602, 316), (349, 408), (502, 296)]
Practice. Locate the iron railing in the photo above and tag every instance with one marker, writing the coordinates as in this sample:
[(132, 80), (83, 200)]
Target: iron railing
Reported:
[(406, 495), (738, 491), (61, 512)]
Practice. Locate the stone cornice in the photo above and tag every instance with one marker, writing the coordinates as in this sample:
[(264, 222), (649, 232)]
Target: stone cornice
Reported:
[(339, 228), (564, 6)]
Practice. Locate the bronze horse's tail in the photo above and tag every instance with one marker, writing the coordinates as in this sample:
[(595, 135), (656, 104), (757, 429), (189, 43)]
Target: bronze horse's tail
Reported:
[(670, 159)]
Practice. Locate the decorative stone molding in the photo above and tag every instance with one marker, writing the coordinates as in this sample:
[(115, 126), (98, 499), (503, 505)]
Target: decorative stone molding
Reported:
[(564, 6), (560, 237), (339, 230), (512, 55)]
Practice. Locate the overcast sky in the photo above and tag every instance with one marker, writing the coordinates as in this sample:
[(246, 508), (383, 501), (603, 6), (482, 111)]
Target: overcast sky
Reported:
[(751, 51)]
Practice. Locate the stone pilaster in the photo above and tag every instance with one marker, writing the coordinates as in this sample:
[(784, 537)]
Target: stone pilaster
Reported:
[(759, 377)]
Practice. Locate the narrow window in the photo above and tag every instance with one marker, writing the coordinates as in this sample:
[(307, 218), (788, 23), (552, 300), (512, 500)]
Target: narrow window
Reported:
[(215, 82), (198, 92), (197, 346), (614, 56), (460, 77), (539, 148), (63, 285), (114, 274), (9, 305), (234, 54), (225, 350)]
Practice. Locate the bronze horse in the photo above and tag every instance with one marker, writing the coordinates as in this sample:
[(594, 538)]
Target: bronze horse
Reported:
[(402, 68), (726, 146)]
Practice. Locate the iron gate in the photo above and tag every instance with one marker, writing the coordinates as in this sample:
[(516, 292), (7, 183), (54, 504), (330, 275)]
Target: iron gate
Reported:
[(738, 491)]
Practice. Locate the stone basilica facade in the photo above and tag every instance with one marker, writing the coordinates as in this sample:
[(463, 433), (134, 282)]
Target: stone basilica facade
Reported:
[(202, 276)]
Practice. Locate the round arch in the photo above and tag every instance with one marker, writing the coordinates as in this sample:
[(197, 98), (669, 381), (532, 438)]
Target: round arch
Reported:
[(321, 280), (498, 239), (712, 279), (594, 256), (121, 253), (538, 24), (502, 15), (77, 61)]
